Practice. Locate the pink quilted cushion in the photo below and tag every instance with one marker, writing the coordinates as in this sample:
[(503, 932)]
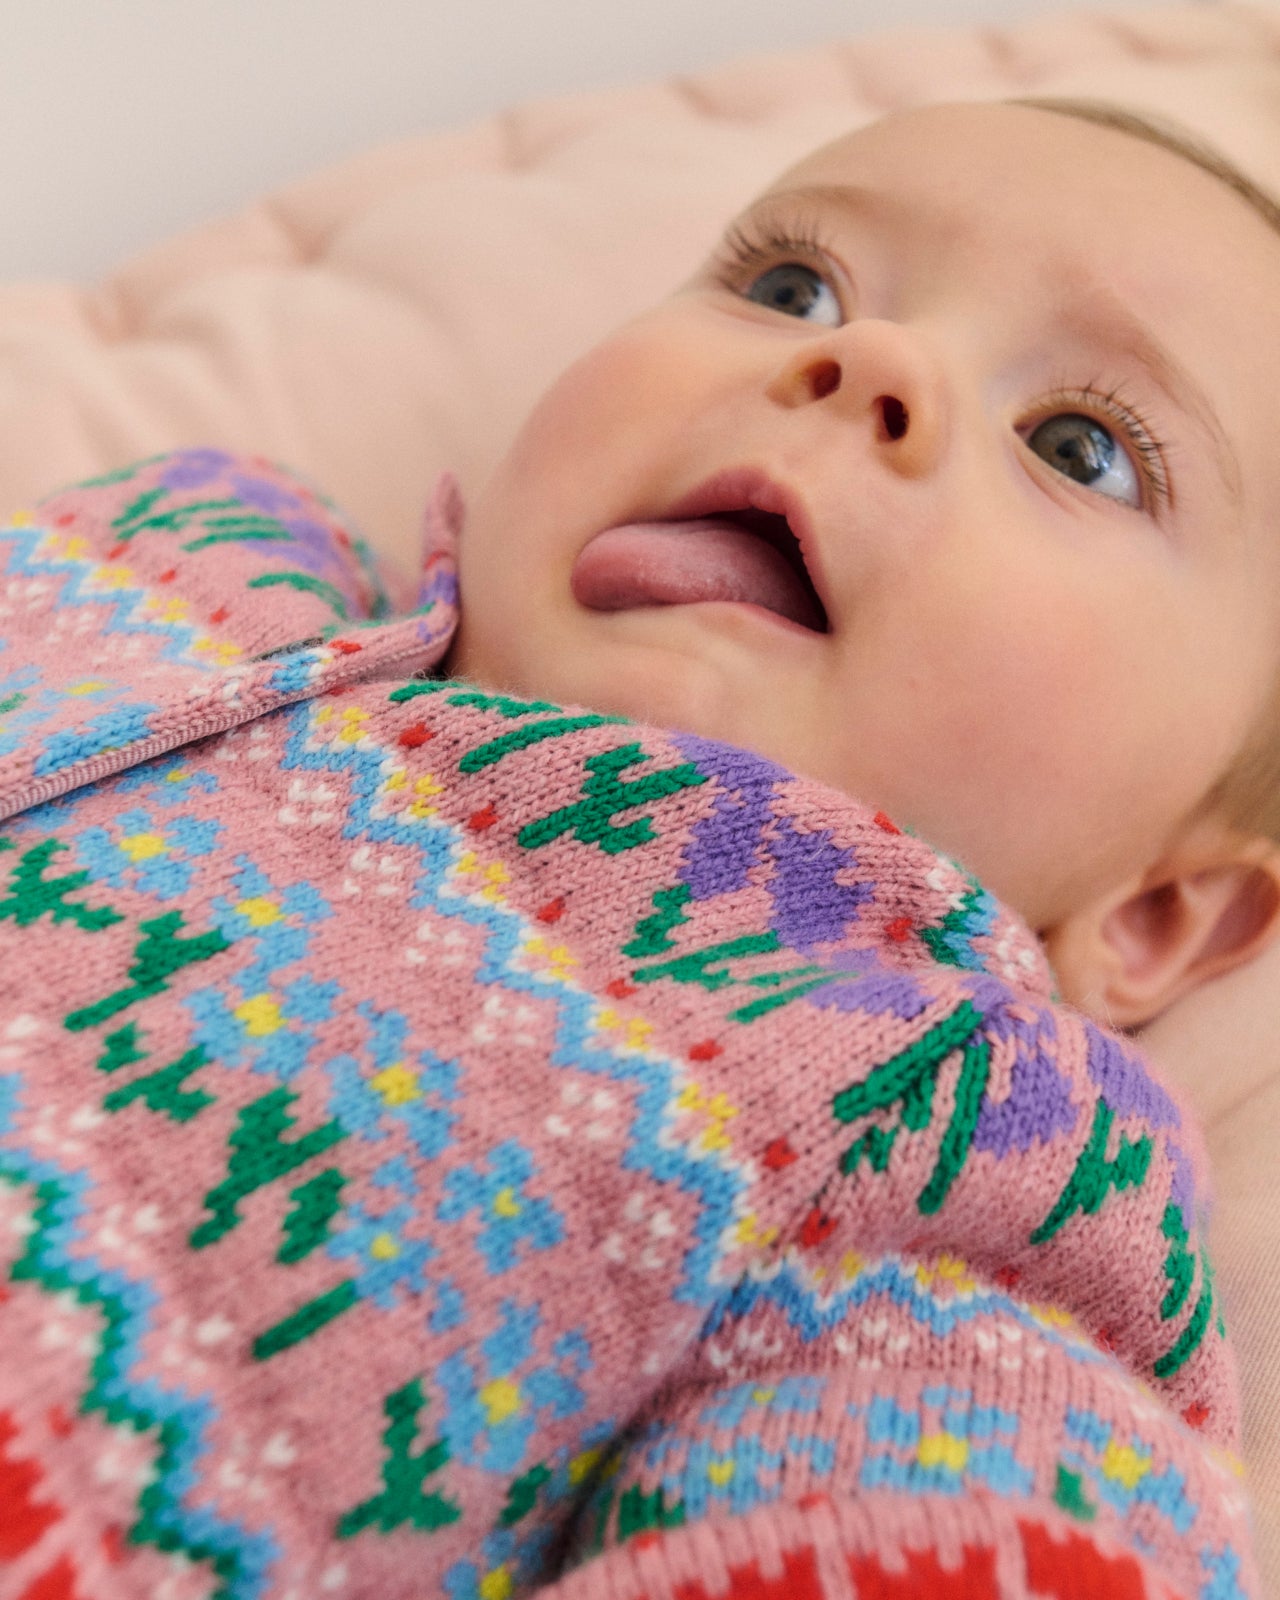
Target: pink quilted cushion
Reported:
[(398, 313)]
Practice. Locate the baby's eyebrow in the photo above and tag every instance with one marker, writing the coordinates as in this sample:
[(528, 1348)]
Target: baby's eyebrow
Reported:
[(1095, 312)]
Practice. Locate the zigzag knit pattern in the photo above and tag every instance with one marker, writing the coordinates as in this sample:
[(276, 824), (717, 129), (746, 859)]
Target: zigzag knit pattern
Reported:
[(455, 1145)]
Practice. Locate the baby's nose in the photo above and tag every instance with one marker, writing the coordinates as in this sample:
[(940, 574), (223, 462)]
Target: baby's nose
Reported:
[(872, 372)]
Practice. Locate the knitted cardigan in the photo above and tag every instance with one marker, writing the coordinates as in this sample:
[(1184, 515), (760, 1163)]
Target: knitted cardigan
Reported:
[(451, 1145)]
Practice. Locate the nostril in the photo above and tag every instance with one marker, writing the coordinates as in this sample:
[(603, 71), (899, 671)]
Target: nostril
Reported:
[(824, 378), (894, 416)]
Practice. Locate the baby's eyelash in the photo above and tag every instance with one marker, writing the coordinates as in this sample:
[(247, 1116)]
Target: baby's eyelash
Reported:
[(751, 247), (1151, 452)]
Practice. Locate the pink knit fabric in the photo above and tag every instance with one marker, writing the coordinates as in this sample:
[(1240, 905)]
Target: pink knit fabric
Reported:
[(449, 1141)]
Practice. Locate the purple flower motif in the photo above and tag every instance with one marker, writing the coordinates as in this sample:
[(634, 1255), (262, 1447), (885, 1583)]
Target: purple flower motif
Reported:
[(1124, 1080), (1038, 1106), (190, 469), (264, 495), (724, 844), (810, 906)]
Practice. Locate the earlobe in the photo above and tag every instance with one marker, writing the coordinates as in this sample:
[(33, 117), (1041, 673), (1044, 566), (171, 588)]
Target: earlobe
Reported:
[(1128, 958)]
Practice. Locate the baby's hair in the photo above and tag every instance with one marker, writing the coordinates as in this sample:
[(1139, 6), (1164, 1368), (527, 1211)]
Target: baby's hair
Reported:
[(1248, 795)]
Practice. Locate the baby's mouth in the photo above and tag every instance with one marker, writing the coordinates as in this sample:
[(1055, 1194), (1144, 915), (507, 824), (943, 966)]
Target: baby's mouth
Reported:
[(745, 555)]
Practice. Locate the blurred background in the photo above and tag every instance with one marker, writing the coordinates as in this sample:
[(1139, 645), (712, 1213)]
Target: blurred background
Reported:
[(157, 114)]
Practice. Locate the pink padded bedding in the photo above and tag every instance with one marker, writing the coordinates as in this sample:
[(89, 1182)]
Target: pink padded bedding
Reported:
[(399, 312)]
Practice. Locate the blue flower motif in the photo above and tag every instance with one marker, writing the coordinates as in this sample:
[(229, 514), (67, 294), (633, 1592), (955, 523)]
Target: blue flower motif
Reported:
[(278, 920), (394, 1087), (388, 1261), (148, 855), (493, 1402), (800, 1395), (521, 1556), (508, 1216), (264, 1028), (168, 781)]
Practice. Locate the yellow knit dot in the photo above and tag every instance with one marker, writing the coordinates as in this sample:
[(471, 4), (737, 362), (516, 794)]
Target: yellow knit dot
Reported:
[(353, 720), (397, 1085), (943, 1450), (383, 1247), (496, 1585), (720, 1472), (142, 846), (1123, 1463), (87, 686), (500, 1399), (260, 1015), (582, 1466), (260, 912), (505, 1203)]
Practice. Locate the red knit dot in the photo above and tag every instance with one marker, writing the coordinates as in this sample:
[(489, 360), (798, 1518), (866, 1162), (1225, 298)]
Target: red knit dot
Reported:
[(345, 647), (899, 929), (889, 826), (816, 1228), (478, 821), (412, 737), (619, 988), (60, 1423), (113, 1546), (705, 1050), (552, 911), (220, 615), (1196, 1414), (168, 575), (778, 1154)]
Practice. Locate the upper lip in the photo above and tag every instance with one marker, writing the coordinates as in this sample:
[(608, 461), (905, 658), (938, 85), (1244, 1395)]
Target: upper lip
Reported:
[(751, 489)]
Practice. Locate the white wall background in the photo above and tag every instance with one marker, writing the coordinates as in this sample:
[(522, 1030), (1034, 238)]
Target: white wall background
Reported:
[(124, 120)]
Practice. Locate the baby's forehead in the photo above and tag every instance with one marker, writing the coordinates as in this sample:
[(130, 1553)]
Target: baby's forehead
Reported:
[(1121, 137)]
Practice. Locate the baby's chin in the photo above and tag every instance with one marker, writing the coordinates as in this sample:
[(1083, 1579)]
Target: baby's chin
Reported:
[(645, 680)]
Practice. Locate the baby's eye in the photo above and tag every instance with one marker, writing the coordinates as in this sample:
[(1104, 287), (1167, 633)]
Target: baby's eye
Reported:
[(796, 291), (1083, 449)]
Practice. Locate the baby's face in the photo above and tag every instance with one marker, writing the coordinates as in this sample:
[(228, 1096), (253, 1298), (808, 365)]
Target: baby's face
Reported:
[(1011, 378)]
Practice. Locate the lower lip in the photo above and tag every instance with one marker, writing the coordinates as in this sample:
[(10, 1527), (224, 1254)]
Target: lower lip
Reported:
[(731, 612)]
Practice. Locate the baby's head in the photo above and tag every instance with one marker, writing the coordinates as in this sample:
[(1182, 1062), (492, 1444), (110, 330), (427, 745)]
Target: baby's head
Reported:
[(1009, 376)]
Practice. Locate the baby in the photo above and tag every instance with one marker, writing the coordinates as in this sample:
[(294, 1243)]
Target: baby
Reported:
[(1030, 604), (453, 1145)]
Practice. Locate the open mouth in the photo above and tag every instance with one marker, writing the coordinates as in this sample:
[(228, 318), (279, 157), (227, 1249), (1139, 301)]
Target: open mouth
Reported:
[(748, 555), (776, 532)]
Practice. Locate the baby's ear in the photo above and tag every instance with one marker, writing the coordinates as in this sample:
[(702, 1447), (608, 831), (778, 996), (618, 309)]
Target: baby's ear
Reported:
[(1210, 905)]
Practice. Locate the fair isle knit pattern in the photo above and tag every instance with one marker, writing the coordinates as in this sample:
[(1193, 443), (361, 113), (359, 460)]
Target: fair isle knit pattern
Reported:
[(451, 1144)]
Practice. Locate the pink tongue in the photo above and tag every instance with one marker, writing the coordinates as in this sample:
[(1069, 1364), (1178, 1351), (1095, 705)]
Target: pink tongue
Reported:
[(678, 563)]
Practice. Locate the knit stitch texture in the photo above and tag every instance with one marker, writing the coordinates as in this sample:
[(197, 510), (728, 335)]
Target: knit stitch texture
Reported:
[(452, 1144)]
